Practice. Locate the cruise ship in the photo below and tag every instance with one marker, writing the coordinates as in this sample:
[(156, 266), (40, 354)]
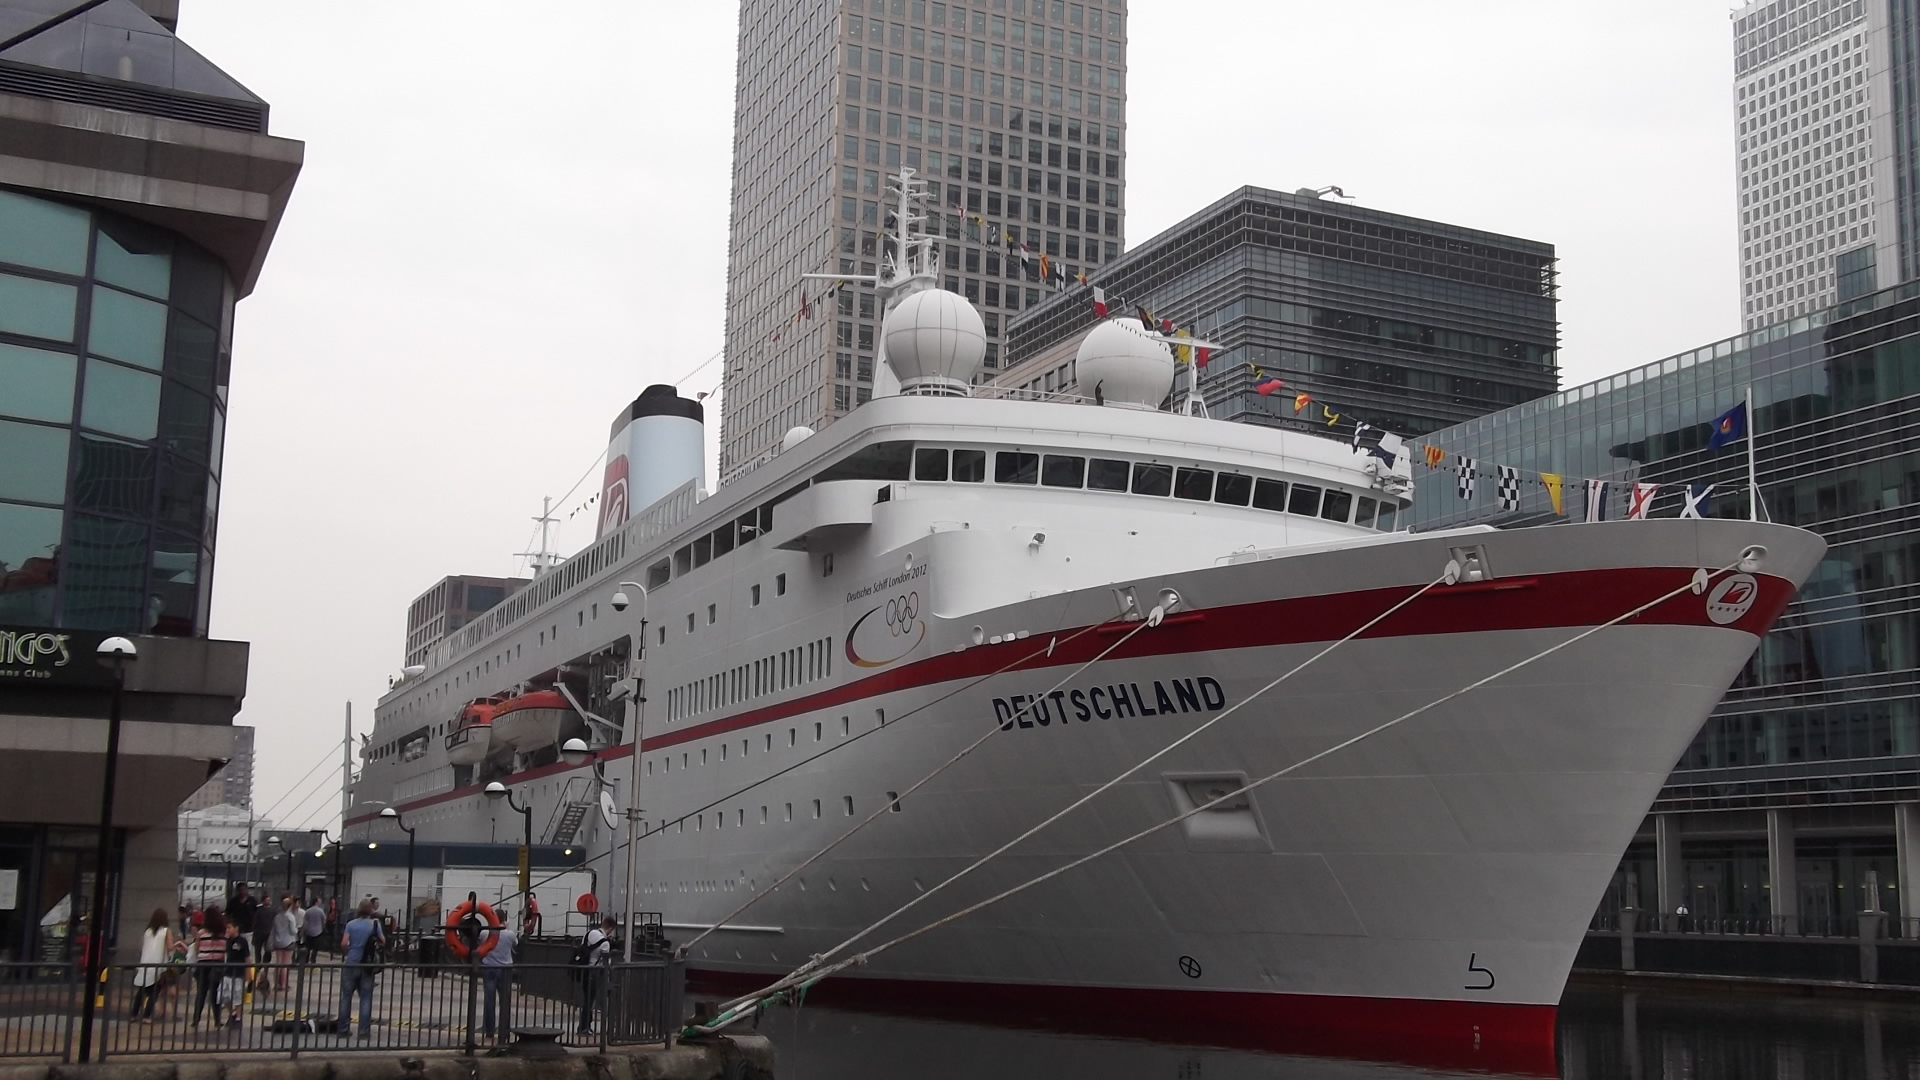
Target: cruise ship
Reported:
[(1085, 581)]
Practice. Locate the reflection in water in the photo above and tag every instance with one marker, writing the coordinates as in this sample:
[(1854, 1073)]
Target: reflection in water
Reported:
[(1604, 1034)]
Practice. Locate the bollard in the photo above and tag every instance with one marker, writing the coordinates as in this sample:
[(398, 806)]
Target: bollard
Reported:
[(1628, 918), (1869, 946)]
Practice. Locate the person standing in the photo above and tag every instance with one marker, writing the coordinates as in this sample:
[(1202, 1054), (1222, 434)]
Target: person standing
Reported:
[(496, 968), (531, 924), (233, 975), (243, 909), (285, 935), (599, 953), (209, 955), (156, 950), (314, 925), (359, 944)]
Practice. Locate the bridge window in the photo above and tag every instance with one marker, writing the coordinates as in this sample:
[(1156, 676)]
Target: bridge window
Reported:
[(723, 540), (1152, 479), (1233, 489), (1338, 505), (1305, 500), (703, 551), (658, 574), (1363, 516), (970, 466), (1015, 467), (1388, 511), (881, 461), (1063, 471), (929, 464), (1196, 484), (1107, 474)]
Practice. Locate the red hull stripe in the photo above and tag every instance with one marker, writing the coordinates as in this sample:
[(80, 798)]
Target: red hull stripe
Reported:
[(1450, 1035), (1570, 600)]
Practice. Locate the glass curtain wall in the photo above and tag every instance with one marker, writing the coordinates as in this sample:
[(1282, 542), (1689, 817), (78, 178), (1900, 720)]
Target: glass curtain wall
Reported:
[(114, 338)]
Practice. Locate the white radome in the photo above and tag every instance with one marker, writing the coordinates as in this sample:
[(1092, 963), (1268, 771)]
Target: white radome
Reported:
[(1119, 364), (936, 341)]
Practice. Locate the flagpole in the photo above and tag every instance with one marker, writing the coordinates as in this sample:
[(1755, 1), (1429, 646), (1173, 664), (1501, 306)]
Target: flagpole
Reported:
[(1753, 468)]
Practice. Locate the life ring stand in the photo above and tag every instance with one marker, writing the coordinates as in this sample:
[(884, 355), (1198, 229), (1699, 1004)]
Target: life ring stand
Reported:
[(458, 915)]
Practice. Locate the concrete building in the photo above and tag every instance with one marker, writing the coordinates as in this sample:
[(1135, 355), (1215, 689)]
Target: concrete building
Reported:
[(233, 784), (452, 603), (1802, 791), (1407, 324), (1015, 112), (139, 194), (1825, 120)]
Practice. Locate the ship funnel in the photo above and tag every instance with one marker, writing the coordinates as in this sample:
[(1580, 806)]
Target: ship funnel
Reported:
[(657, 444)]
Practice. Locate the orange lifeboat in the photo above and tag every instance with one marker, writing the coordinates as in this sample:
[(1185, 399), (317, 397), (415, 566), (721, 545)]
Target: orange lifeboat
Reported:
[(472, 735), (535, 720)]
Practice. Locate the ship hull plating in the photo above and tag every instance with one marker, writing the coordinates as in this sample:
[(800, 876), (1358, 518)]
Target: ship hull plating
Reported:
[(1432, 881)]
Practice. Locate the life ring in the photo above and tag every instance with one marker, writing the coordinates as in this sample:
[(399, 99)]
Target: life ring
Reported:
[(459, 914)]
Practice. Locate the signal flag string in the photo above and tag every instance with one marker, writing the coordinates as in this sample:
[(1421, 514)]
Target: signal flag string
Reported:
[(799, 987)]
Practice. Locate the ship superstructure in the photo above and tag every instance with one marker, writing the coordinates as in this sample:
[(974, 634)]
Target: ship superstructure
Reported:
[(828, 628)]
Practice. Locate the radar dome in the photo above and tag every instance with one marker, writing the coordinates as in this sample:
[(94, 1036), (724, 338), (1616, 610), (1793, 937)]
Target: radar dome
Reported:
[(1118, 362), (795, 436), (935, 342)]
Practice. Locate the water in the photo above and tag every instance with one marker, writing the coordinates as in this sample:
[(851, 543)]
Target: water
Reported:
[(1603, 1034)]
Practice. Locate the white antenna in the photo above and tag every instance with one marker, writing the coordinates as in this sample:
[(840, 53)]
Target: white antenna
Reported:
[(911, 260), (546, 557)]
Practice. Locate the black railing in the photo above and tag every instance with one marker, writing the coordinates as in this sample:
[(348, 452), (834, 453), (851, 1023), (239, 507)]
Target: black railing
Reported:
[(299, 1008)]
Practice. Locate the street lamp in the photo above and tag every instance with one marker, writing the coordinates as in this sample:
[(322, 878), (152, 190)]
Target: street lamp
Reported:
[(394, 816), (115, 653), (275, 841), (637, 709), (496, 791)]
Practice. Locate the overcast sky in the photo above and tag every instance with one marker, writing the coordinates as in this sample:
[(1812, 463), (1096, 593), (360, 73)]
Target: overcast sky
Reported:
[(513, 216)]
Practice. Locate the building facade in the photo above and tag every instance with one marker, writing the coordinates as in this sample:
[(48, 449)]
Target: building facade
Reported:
[(233, 784), (452, 603), (1407, 324), (1827, 116), (139, 193), (1800, 795), (1013, 110)]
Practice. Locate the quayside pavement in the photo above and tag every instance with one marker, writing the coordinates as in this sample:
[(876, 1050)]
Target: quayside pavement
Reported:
[(626, 1011)]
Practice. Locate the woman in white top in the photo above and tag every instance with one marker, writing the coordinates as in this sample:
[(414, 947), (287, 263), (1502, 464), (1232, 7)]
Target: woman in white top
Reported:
[(156, 951)]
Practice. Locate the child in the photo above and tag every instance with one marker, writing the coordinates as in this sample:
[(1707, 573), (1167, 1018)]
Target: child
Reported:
[(233, 979)]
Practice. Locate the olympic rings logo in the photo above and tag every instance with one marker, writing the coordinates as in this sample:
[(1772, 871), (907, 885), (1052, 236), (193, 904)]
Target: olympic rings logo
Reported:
[(902, 613)]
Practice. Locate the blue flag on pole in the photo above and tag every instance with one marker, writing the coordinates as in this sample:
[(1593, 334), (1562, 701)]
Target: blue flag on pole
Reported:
[(1729, 426)]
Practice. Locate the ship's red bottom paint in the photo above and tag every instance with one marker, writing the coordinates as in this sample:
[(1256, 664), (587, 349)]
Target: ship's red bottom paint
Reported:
[(1490, 1037)]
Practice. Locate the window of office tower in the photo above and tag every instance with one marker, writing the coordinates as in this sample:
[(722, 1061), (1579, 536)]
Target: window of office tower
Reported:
[(114, 338)]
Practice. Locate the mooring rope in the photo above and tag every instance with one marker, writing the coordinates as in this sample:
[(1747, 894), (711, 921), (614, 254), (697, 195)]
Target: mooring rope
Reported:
[(812, 977), (991, 731), (816, 961)]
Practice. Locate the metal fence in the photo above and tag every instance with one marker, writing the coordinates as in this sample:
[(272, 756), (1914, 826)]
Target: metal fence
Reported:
[(329, 1007)]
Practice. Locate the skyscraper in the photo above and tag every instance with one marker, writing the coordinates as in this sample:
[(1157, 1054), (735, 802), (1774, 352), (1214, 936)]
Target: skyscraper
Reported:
[(1821, 88), (1404, 323), (1014, 111)]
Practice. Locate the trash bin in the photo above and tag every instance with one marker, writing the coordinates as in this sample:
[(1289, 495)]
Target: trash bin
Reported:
[(430, 958)]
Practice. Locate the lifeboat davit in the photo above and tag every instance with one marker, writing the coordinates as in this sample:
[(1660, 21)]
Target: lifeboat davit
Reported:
[(472, 735), (535, 720)]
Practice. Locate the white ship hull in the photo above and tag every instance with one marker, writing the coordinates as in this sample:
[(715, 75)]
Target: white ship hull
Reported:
[(1423, 892)]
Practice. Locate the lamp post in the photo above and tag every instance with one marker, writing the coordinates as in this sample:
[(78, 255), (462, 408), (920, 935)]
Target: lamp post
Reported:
[(497, 790), (115, 652), (394, 816), (638, 709), (275, 841)]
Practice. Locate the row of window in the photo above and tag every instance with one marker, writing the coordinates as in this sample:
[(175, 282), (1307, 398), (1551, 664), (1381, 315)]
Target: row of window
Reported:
[(727, 753), (1195, 484), (781, 671)]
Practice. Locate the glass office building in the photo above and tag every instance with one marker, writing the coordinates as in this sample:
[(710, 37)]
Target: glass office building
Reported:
[(1800, 791), (113, 385), (1404, 323)]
